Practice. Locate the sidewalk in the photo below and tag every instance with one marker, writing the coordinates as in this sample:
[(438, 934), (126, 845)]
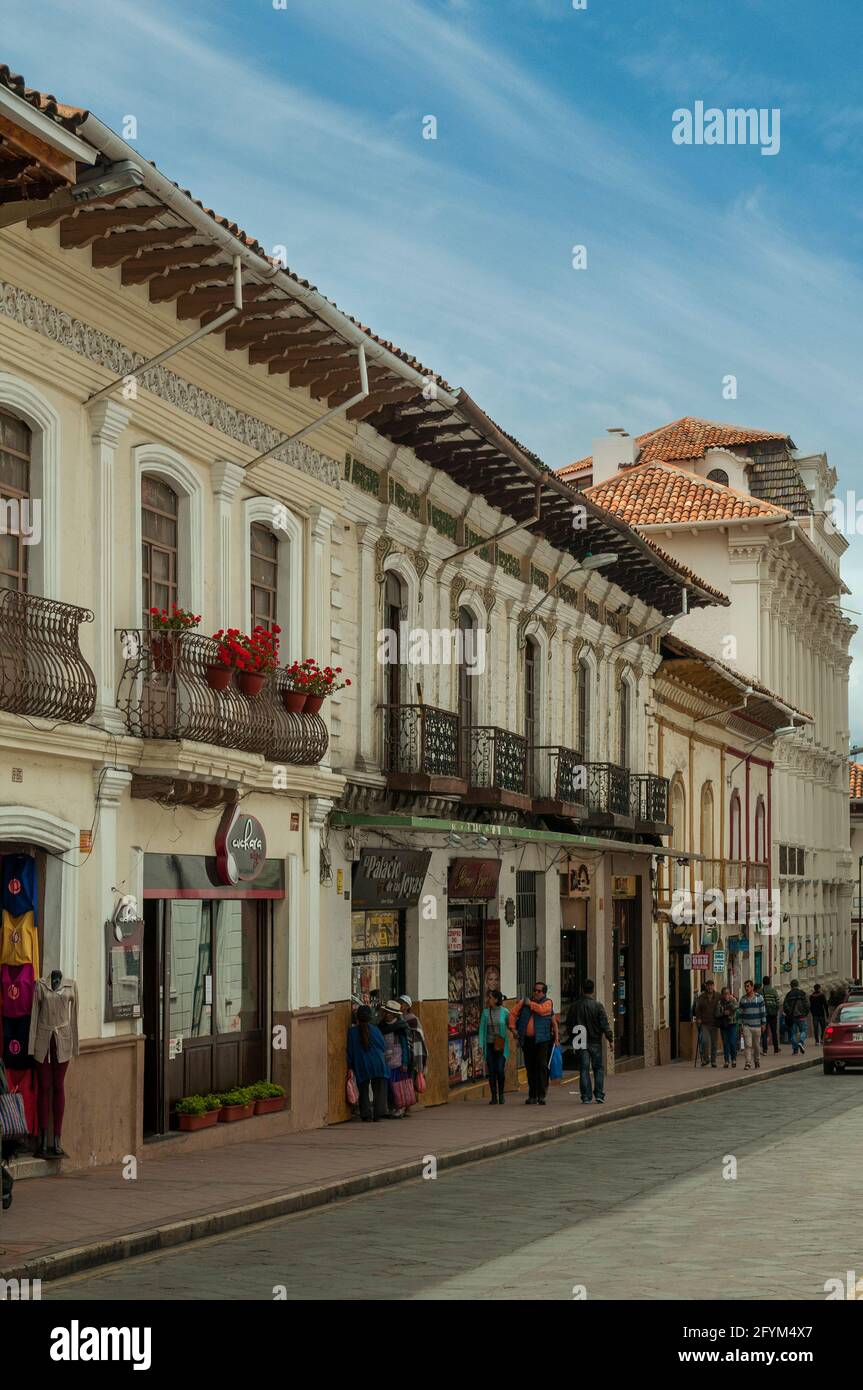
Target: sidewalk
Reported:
[(58, 1226)]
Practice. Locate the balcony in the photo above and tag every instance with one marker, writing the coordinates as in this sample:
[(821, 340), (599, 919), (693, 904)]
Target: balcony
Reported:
[(164, 695), (42, 671), (648, 801), (608, 797), (558, 782), (759, 876), (494, 761), (422, 750)]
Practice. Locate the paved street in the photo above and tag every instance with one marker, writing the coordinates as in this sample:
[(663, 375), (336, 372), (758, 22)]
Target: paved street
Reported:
[(639, 1209)]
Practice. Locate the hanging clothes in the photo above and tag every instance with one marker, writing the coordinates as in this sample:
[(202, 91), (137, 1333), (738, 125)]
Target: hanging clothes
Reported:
[(19, 941), (17, 988), (16, 1043), (18, 885)]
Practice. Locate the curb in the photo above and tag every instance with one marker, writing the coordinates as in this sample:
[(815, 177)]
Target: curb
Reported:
[(116, 1249)]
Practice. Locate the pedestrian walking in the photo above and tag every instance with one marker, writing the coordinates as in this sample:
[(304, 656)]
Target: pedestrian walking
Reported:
[(707, 1018), (588, 1014), (795, 1007), (398, 1055), (418, 1045), (494, 1043), (753, 1018), (729, 1027), (818, 1012), (368, 1061), (837, 995), (770, 996), (533, 1019)]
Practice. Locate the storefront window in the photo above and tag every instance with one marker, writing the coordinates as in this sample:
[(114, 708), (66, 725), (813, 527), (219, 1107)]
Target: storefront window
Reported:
[(465, 962), (237, 967), (191, 968), (377, 967)]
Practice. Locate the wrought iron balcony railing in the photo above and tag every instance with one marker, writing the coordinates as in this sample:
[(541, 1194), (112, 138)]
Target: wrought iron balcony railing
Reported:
[(558, 775), (494, 759), (420, 740), (648, 797), (758, 876), (164, 694), (607, 789), (42, 671)]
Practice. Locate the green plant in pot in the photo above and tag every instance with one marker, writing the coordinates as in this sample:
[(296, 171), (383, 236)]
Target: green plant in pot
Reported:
[(237, 1104), (197, 1112), (166, 630), (268, 1097)]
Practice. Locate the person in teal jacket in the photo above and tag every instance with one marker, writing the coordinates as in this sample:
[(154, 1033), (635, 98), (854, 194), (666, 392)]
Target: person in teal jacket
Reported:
[(493, 1025)]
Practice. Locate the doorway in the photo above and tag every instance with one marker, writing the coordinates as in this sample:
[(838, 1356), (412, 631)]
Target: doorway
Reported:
[(679, 997), (626, 955)]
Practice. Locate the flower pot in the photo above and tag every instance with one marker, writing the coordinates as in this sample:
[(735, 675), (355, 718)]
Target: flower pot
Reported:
[(193, 1122), (163, 652), (294, 700), (218, 677), (313, 703), (270, 1105), (229, 1113), (250, 682)]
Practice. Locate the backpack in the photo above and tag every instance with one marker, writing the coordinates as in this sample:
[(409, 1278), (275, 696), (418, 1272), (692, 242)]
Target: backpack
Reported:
[(799, 1007)]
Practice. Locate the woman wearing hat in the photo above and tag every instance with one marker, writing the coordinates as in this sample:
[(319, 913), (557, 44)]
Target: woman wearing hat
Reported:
[(416, 1038), (368, 1062), (398, 1053)]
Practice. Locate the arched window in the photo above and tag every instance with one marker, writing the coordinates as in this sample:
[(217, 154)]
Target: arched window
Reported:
[(718, 475), (678, 830), (467, 690), (623, 723), (159, 546), (264, 576), (15, 457), (760, 832), (707, 820), (734, 827), (583, 702), (393, 614)]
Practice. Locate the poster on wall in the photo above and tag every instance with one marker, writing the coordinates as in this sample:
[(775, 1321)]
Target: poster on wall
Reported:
[(124, 948), (491, 952)]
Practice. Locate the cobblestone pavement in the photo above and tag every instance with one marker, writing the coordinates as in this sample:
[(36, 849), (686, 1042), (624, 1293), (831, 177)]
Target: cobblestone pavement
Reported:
[(639, 1210)]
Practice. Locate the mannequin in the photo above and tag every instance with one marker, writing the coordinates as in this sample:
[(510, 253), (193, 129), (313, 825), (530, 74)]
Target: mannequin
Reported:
[(53, 1043)]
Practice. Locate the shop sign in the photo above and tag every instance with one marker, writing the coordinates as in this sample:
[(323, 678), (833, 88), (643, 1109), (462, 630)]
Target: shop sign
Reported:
[(241, 846), (390, 877), (124, 953), (719, 960), (699, 961), (579, 881), (474, 878), (623, 886), (455, 939)]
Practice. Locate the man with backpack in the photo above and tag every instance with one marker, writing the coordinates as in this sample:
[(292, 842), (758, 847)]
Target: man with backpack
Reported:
[(588, 1024), (770, 995), (796, 1011)]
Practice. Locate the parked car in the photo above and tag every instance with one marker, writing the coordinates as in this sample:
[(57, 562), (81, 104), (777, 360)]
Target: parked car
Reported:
[(843, 1038), (855, 992)]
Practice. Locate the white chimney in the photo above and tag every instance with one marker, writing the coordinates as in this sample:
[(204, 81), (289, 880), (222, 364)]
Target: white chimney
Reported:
[(615, 450)]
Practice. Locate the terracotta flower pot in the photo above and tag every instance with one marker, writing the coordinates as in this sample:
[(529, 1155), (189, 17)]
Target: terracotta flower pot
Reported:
[(193, 1122), (163, 652), (270, 1105), (313, 703), (294, 700), (250, 682), (230, 1113), (218, 677)]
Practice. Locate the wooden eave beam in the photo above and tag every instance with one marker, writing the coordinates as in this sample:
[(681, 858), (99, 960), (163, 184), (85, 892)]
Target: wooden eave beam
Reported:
[(45, 155), (168, 286), (81, 228), (110, 250), (267, 323), (142, 268), (200, 303)]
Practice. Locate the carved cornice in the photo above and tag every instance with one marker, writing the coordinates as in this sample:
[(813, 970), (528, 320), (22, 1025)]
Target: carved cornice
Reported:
[(95, 346)]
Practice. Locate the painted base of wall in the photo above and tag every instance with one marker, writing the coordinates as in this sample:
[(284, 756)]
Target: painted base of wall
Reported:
[(104, 1101), (663, 1047)]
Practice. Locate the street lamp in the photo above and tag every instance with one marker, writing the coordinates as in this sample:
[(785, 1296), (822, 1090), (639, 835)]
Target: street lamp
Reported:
[(781, 732), (590, 562)]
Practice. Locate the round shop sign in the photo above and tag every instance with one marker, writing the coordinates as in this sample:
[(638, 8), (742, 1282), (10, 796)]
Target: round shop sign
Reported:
[(241, 846)]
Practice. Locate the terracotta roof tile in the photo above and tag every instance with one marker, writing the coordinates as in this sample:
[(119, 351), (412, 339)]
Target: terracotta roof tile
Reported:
[(68, 116), (677, 646), (856, 771), (689, 438), (659, 493)]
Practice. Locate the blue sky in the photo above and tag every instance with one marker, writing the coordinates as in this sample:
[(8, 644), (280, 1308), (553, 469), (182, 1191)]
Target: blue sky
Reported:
[(554, 129)]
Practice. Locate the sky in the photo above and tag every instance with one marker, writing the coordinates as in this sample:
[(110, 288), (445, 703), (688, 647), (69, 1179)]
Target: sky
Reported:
[(305, 124)]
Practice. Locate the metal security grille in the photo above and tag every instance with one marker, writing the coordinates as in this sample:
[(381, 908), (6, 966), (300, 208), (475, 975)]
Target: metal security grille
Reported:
[(525, 899)]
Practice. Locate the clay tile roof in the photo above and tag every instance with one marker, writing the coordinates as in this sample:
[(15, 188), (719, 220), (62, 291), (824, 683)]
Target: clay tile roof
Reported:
[(688, 438), (677, 647), (68, 116), (659, 493), (856, 771)]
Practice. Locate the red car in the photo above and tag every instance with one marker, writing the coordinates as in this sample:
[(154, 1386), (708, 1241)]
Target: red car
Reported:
[(843, 1038)]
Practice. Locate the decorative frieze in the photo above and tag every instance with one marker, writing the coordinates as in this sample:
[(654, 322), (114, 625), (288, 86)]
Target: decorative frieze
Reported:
[(95, 346)]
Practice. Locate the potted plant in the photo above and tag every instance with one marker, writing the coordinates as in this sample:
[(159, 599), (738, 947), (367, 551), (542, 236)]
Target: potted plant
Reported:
[(219, 673), (197, 1112), (237, 1104), (165, 630), (268, 1097), (299, 677), (323, 682), (249, 657)]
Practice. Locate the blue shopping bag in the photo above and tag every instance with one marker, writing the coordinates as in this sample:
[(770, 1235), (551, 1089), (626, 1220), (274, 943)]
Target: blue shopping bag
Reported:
[(555, 1063)]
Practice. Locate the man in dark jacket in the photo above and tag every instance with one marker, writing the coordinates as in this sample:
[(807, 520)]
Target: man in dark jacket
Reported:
[(770, 995), (818, 1011), (796, 1010), (533, 1020), (588, 1024), (707, 1018)]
